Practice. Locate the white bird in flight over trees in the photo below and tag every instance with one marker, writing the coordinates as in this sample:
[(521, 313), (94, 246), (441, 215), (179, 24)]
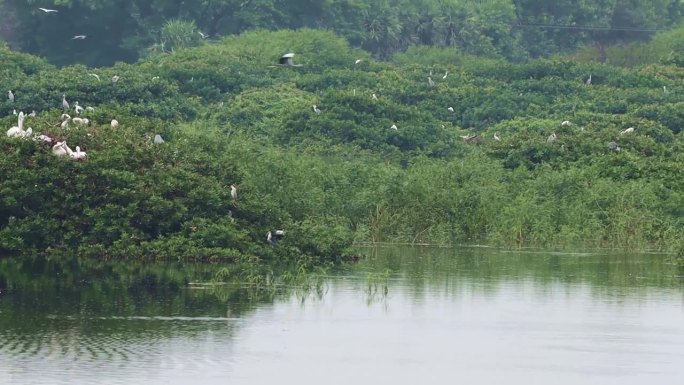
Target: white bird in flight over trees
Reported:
[(79, 37), (46, 10)]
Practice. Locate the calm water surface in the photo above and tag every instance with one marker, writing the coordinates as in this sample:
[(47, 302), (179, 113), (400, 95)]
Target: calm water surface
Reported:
[(402, 316)]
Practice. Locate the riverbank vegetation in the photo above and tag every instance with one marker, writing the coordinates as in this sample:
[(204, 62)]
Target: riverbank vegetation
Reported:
[(390, 157)]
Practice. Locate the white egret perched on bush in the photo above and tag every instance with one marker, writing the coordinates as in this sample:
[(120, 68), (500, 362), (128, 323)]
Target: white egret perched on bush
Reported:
[(96, 76), (115, 78), (18, 130), (566, 123), (273, 237), (286, 60), (451, 109), (233, 192), (158, 139), (316, 109), (78, 154), (78, 109), (10, 96), (61, 149), (394, 127), (358, 61), (65, 104), (496, 137), (552, 138), (588, 82), (445, 75), (431, 82), (627, 131), (114, 123)]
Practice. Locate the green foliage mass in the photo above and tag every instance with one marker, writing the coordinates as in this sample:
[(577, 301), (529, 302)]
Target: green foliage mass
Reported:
[(230, 115)]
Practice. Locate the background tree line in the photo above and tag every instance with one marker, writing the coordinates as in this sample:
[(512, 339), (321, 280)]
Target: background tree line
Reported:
[(126, 30)]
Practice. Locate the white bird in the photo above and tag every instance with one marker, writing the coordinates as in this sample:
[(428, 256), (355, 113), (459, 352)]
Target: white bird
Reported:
[(233, 192), (451, 109), (78, 109), (18, 130), (48, 10), (431, 83), (90, 109), (496, 137), (627, 131), (665, 90), (158, 139), (10, 96), (375, 97), (286, 60), (357, 61), (43, 139), (79, 37), (114, 123), (115, 78), (65, 117), (77, 120), (551, 138), (445, 75), (202, 34), (59, 149), (65, 104), (566, 123), (86, 122), (32, 114), (78, 154), (155, 78), (316, 109), (96, 76), (588, 82), (27, 133), (394, 127), (65, 124), (14, 112)]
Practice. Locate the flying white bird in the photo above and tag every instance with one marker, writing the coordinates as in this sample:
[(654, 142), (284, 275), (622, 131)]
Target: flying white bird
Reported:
[(96, 76), (47, 10), (79, 37), (627, 131)]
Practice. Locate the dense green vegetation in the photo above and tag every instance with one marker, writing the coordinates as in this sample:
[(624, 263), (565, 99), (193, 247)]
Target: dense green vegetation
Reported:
[(125, 30), (230, 116)]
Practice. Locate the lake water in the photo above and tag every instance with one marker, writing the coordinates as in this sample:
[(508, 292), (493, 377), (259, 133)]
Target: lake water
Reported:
[(400, 316)]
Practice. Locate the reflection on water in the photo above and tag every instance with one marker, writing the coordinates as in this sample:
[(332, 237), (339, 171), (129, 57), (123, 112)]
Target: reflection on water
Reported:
[(401, 316)]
